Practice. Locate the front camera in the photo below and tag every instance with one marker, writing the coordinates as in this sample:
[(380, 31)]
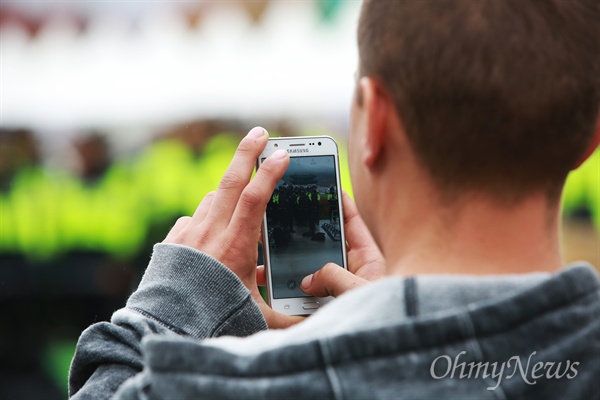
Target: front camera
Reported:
[(319, 143)]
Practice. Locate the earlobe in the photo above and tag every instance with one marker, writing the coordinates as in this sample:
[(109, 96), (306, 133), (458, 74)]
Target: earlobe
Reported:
[(376, 107), (591, 147)]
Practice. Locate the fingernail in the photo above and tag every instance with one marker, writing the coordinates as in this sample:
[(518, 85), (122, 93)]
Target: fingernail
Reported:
[(306, 282), (281, 153), (256, 133)]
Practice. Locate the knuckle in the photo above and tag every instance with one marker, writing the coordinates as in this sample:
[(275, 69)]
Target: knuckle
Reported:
[(224, 246), (182, 221), (330, 268), (201, 237), (230, 180), (251, 196)]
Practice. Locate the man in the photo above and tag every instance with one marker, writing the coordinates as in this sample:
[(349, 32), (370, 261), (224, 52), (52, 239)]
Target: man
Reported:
[(467, 118)]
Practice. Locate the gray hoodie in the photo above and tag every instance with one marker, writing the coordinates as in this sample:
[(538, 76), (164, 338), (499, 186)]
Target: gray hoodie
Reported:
[(192, 331)]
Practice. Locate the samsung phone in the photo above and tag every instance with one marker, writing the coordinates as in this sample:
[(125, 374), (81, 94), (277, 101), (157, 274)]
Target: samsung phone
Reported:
[(303, 227)]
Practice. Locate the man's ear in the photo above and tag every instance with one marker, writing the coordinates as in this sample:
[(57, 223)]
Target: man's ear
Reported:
[(591, 147), (377, 106)]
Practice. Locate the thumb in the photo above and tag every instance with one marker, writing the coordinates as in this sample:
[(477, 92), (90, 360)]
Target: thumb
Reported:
[(331, 280)]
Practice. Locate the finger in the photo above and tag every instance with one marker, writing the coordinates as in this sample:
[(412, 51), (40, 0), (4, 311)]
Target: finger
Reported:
[(203, 208), (276, 320), (331, 280), (261, 278), (237, 175), (358, 235), (249, 213), (178, 227)]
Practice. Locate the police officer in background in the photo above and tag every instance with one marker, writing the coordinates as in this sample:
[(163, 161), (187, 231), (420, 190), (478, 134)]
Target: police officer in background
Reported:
[(313, 209), (332, 200)]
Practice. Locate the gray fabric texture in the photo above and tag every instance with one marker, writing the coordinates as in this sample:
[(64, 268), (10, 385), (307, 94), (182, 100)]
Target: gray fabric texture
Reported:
[(463, 337), (182, 293)]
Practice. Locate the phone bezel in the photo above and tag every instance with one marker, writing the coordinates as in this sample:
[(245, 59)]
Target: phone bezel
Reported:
[(328, 147)]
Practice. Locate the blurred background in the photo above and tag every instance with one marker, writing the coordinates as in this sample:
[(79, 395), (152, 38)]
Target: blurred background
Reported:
[(117, 117)]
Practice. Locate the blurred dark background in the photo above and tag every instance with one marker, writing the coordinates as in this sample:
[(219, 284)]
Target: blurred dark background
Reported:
[(117, 118)]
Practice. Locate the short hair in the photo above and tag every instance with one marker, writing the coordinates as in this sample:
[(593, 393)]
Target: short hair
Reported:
[(499, 97)]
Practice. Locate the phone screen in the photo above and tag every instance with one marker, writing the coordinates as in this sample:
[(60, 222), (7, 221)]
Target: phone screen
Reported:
[(303, 223)]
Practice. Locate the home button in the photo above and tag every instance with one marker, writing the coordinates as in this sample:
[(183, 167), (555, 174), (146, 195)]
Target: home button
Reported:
[(310, 305)]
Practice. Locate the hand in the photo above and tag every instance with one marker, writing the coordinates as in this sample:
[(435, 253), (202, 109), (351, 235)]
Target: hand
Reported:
[(365, 261), (226, 224)]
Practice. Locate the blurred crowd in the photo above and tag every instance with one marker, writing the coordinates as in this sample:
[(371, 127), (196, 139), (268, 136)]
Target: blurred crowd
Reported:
[(98, 202), (102, 203)]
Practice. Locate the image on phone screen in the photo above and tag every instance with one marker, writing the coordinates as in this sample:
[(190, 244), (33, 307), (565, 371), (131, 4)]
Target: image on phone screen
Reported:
[(303, 222)]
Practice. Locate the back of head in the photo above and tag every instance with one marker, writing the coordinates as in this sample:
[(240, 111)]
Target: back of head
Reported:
[(496, 97)]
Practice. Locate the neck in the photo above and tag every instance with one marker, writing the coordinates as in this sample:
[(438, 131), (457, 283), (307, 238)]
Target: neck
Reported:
[(476, 237)]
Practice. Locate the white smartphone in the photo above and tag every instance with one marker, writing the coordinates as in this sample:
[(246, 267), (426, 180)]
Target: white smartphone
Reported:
[(303, 227)]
